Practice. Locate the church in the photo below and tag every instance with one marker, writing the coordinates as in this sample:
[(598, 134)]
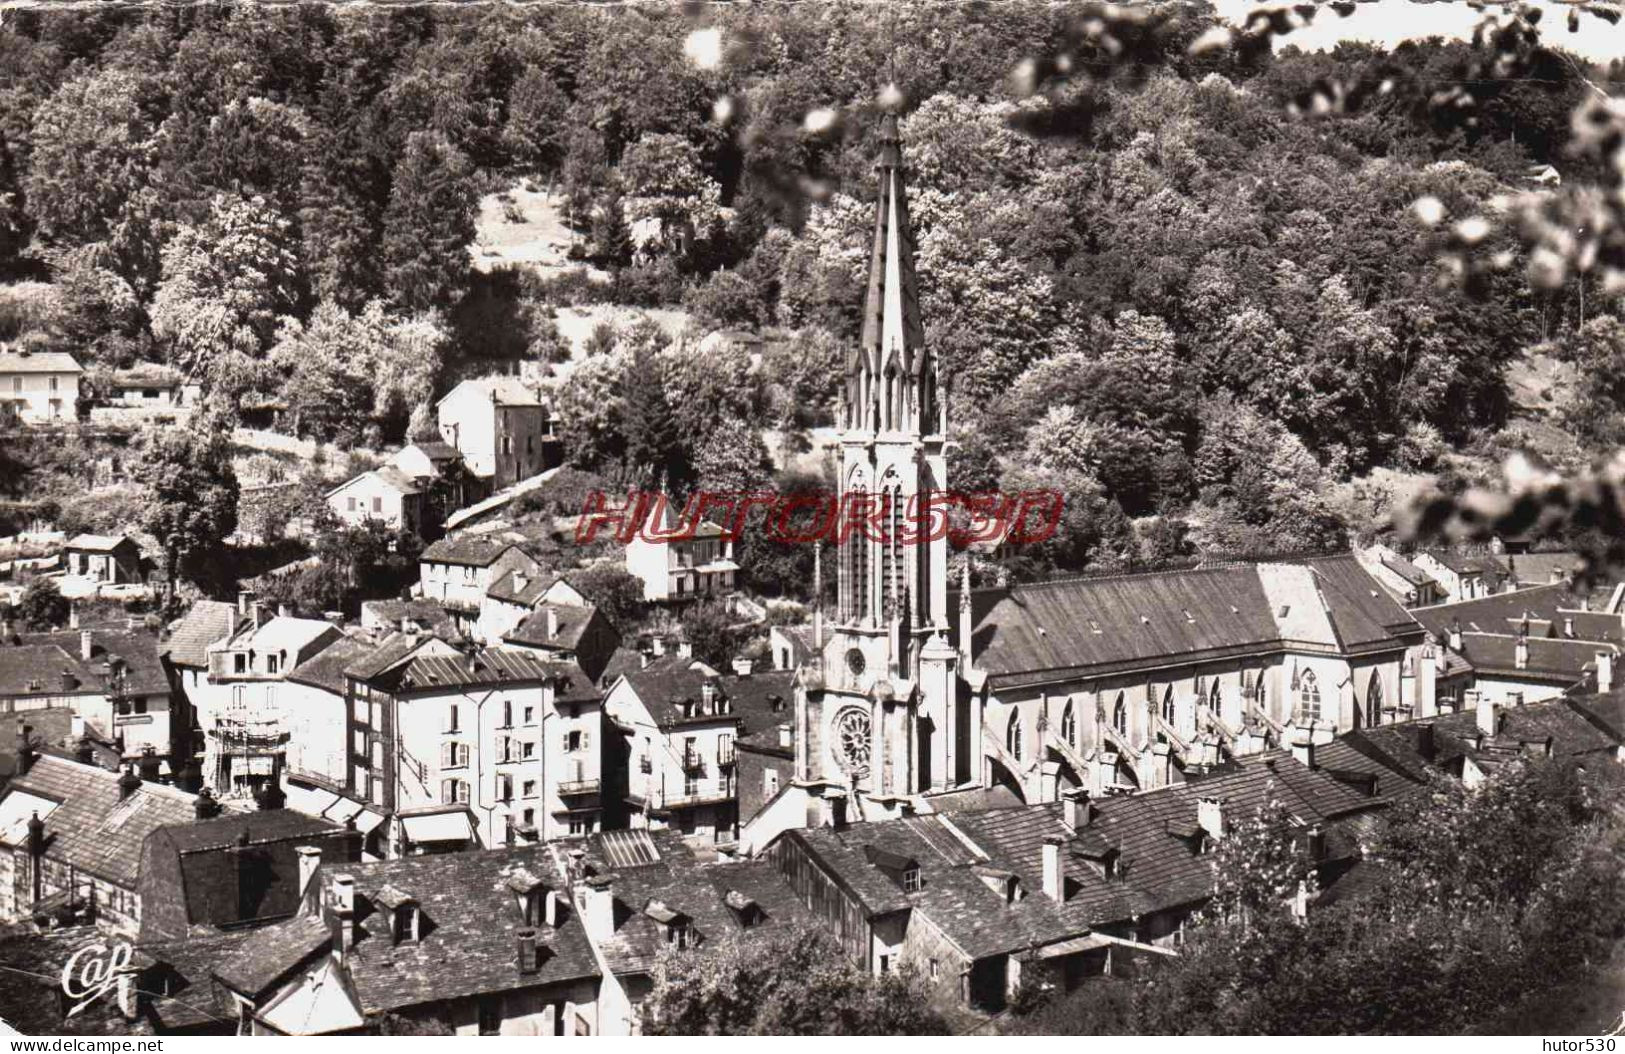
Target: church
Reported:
[(920, 691)]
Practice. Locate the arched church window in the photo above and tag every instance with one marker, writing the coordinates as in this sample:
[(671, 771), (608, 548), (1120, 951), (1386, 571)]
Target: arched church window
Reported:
[(1012, 735), (1069, 725), (1373, 700), (1308, 698), (1120, 715), (1168, 705), (1213, 697)]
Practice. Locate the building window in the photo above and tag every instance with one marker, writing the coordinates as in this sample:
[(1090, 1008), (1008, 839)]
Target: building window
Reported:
[(360, 710), (504, 788), (454, 792), (580, 825), (377, 754), (507, 713), (360, 743), (912, 883), (1069, 725), (529, 817), (1308, 698), (527, 749), (406, 923), (770, 782), (574, 741), (271, 664), (530, 791), (240, 663), (530, 715), (453, 718), (53, 384), (507, 444), (1012, 735), (351, 504), (1120, 715), (933, 969), (453, 755), (491, 1016), (1168, 705)]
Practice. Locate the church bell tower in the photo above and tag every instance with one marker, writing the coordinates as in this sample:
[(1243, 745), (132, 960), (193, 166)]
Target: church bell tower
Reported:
[(883, 720)]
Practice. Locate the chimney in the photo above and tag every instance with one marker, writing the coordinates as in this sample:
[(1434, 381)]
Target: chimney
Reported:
[(36, 850), (835, 811), (310, 858), (26, 754), (1053, 885), (784, 737), (1455, 636), (245, 600), (1485, 709), (1426, 745), (1605, 671), (282, 611), (685, 650), (657, 644), (231, 623), (643, 660), (743, 667), (69, 681), (553, 908), (86, 646), (151, 767), (272, 797), (257, 612), (85, 752), (1520, 652), (708, 696), (1317, 843), (552, 624), (342, 919), (598, 908), (527, 951), (1210, 816), (73, 618), (1076, 809), (206, 808), (1303, 747), (128, 784)]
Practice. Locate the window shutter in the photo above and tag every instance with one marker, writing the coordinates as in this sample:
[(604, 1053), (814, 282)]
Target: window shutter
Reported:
[(462, 754), (448, 755), (586, 740), (462, 791), (448, 793)]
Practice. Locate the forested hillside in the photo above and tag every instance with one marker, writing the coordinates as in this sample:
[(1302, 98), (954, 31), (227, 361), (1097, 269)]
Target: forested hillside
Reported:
[(1209, 315)]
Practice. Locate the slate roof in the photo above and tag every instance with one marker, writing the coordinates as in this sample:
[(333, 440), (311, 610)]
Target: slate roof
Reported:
[(226, 830), (98, 543), (397, 480), (1497, 613), (1466, 563), (93, 829), (38, 362), (1564, 660), (465, 550), (665, 681), (469, 940), (208, 621), (426, 613), (487, 667), (572, 621), (36, 666), (436, 450), (1537, 568), (753, 702), (1406, 570), (326, 668), (504, 390), (51, 728), (274, 952), (389, 651), (658, 874), (1085, 626)]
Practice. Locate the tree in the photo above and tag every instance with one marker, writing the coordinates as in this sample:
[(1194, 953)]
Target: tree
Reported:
[(616, 592), (655, 448), (42, 605), (191, 504), (709, 629), (781, 982), (330, 364), (90, 151), (429, 224), (666, 190), (225, 282), (537, 119)]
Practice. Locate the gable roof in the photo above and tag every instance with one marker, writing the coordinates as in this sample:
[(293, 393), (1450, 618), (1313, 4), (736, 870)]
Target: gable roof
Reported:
[(13, 361), (503, 390), (326, 668), (205, 623), (99, 543), (389, 475), (466, 550), (668, 680), (94, 829), (571, 621)]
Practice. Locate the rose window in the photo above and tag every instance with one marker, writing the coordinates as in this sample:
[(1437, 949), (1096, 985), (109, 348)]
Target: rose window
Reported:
[(852, 740)]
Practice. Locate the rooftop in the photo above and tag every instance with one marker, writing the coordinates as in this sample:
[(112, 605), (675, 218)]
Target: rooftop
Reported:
[(15, 361)]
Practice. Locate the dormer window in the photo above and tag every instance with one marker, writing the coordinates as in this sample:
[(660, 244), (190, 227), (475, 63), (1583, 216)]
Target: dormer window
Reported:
[(903, 870), (912, 883), (405, 919), (406, 923), (679, 933)]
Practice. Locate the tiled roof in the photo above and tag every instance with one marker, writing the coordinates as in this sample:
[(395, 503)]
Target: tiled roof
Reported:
[(1565, 660), (469, 943), (207, 622), (1538, 568), (396, 480), (504, 390), (426, 613), (465, 550), (1499, 612), (38, 362), (571, 621), (489, 666), (1099, 624), (326, 668), (391, 650), (148, 375), (1466, 563), (273, 952), (664, 682), (136, 648), (100, 543), (94, 829)]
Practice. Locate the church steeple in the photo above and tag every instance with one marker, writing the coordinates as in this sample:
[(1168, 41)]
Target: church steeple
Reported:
[(891, 379)]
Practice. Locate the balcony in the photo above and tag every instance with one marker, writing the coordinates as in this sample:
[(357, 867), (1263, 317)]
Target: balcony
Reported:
[(700, 792), (580, 785), (693, 763)]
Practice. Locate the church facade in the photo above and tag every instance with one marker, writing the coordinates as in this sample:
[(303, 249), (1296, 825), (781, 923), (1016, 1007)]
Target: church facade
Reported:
[(918, 689)]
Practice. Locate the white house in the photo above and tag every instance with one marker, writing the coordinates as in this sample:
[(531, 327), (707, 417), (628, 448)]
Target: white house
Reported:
[(385, 494), (681, 569), (516, 593), (496, 747), (41, 386), (457, 571), (501, 426)]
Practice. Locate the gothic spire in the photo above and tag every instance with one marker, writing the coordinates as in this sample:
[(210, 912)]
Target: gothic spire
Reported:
[(891, 308)]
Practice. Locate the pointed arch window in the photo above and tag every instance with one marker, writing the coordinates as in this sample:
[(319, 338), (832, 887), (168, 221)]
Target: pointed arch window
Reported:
[(1012, 735), (1213, 697), (1373, 699), (1120, 715), (1069, 725), (1168, 711), (1308, 698)]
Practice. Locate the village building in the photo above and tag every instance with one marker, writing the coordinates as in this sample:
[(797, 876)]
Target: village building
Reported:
[(644, 893), (484, 943), (314, 703), (104, 559), (41, 387), (71, 837), (1404, 581), (1461, 576), (675, 569), (241, 706), (499, 746), (502, 427), (383, 617), (383, 495), (233, 870), (150, 386), (457, 572), (113, 683)]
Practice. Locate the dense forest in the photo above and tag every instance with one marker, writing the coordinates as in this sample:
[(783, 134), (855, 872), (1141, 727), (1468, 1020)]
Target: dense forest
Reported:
[(1189, 287)]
